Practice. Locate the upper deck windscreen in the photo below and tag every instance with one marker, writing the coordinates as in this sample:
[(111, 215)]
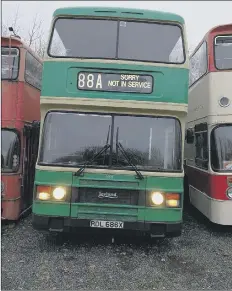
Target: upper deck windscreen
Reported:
[(113, 39), (10, 63), (223, 52)]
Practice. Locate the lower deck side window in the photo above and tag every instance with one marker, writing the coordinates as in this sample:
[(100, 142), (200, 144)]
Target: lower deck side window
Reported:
[(10, 155), (201, 149)]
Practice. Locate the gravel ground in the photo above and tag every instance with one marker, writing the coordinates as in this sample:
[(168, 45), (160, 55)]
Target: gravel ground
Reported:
[(200, 259)]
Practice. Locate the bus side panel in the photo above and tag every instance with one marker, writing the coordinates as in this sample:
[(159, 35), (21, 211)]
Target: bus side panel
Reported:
[(212, 185), (11, 199), (31, 99), (217, 112), (207, 192), (9, 102)]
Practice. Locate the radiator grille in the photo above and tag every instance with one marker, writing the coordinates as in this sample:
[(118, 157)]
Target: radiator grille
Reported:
[(108, 196)]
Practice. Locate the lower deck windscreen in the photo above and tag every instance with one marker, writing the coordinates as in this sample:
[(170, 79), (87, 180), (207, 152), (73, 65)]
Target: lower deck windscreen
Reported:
[(151, 143)]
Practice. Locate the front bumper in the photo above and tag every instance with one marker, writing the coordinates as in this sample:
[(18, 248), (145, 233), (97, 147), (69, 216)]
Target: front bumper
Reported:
[(68, 224)]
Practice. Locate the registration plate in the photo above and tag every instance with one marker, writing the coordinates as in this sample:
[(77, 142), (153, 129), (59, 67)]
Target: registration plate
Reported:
[(106, 224)]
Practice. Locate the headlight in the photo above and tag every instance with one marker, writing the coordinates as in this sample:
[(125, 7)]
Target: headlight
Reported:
[(43, 192), (59, 193), (172, 200), (157, 198), (172, 203), (43, 196)]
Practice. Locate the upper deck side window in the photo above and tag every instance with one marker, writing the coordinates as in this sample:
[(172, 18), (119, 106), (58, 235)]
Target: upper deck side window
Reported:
[(223, 52), (116, 39), (201, 145), (33, 71), (10, 63), (198, 64)]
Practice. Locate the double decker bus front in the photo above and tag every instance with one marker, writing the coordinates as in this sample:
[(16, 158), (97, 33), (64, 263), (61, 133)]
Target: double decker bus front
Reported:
[(20, 107), (9, 71), (10, 136), (209, 148), (221, 128), (111, 145)]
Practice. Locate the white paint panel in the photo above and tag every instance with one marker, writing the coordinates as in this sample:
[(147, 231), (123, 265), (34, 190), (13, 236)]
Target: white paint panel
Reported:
[(217, 211)]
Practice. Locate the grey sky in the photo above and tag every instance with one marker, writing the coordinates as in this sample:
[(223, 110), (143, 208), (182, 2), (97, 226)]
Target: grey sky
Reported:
[(199, 16)]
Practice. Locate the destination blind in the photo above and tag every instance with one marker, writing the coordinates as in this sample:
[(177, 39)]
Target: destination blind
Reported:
[(111, 82)]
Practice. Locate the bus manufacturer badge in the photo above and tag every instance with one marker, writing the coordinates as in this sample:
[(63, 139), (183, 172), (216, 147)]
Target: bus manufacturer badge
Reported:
[(109, 176), (107, 195)]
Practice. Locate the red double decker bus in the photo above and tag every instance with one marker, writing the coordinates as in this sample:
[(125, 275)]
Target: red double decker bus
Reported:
[(208, 149), (21, 85)]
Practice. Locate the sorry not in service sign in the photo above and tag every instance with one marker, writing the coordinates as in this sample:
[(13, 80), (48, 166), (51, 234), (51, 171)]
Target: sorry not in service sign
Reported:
[(115, 82)]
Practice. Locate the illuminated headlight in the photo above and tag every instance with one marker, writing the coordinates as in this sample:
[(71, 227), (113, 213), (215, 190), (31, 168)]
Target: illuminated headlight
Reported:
[(229, 193), (173, 200), (43, 196), (43, 192), (172, 203), (157, 198), (59, 193)]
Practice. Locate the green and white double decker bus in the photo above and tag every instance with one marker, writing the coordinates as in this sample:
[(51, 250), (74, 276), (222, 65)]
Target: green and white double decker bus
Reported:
[(113, 107)]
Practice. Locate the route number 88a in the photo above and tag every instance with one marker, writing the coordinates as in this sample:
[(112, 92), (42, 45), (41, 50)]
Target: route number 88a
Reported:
[(83, 81), (87, 80)]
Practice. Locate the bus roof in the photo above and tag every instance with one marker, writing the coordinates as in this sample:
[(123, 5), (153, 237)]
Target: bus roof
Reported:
[(220, 28), (216, 29), (118, 12), (19, 42)]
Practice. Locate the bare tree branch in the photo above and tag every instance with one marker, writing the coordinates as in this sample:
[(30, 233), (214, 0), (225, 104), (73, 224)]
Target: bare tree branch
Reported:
[(4, 29), (34, 35), (35, 31), (40, 47), (15, 24)]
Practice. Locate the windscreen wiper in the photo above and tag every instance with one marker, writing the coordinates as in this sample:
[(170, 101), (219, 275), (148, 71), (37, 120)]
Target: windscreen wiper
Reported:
[(81, 170), (104, 149), (107, 142), (120, 147)]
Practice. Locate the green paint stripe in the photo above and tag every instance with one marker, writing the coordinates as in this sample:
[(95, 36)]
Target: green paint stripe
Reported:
[(145, 13), (63, 83), (159, 215), (51, 209)]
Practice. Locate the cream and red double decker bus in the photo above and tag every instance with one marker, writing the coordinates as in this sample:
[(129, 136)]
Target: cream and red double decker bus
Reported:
[(21, 84), (208, 150)]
